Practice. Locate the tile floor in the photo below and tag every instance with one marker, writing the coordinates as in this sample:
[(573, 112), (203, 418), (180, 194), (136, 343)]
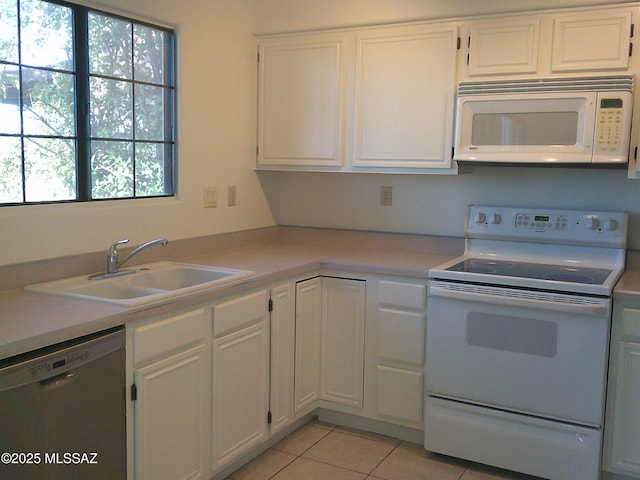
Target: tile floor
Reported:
[(321, 451)]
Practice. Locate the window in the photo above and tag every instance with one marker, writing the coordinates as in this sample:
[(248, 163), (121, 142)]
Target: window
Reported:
[(86, 105)]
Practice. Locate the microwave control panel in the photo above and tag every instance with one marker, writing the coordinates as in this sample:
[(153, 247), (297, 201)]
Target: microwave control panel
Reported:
[(609, 124)]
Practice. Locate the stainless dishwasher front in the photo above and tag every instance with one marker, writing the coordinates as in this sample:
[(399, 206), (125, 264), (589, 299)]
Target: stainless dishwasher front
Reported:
[(62, 411)]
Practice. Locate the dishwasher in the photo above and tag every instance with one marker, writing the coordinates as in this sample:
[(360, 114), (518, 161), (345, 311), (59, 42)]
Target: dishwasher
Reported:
[(62, 411)]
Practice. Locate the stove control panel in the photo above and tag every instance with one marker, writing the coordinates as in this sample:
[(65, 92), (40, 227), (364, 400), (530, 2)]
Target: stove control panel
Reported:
[(577, 227), (541, 221)]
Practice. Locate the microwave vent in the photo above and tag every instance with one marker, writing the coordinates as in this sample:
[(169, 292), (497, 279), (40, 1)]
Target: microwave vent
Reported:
[(541, 85)]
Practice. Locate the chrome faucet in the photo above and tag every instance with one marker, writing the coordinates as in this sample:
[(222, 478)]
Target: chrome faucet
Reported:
[(113, 265)]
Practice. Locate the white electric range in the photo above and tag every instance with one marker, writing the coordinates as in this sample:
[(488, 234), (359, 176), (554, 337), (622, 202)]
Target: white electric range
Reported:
[(517, 340)]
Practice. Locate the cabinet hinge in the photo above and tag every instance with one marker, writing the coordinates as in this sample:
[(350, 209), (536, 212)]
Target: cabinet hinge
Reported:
[(134, 392), (635, 153), (467, 59), (269, 417), (257, 150), (459, 43), (630, 49), (258, 54), (633, 27), (453, 152), (270, 305)]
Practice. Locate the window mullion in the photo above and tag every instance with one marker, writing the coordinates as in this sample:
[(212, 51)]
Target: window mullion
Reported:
[(83, 129)]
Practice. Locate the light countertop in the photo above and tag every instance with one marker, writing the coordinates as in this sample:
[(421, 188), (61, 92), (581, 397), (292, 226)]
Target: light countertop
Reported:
[(628, 287), (30, 320)]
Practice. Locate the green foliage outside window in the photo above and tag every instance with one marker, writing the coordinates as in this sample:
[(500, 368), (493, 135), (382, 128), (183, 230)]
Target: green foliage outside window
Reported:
[(86, 105)]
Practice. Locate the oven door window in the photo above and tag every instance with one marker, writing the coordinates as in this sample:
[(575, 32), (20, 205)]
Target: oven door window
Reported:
[(530, 336)]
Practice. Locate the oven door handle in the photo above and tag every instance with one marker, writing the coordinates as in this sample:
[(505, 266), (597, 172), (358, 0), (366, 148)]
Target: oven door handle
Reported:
[(558, 302)]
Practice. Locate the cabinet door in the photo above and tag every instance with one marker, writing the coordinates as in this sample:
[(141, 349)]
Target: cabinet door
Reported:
[(301, 88), (307, 344), (405, 82), (282, 351), (240, 391), (406, 406), (343, 323), (597, 40), (400, 352), (625, 449), (504, 46), (401, 336), (170, 418), (622, 424)]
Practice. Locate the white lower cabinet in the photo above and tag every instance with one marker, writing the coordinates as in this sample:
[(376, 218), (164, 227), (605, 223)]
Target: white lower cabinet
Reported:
[(308, 330), (210, 385), (240, 388), (282, 355), (622, 425), (342, 343), (170, 362), (399, 393), (399, 377)]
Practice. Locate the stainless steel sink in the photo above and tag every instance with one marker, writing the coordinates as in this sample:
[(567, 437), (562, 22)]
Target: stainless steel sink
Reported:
[(150, 283)]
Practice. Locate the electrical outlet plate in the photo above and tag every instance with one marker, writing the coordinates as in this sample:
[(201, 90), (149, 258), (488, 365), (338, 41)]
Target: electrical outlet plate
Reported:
[(386, 196), (231, 196)]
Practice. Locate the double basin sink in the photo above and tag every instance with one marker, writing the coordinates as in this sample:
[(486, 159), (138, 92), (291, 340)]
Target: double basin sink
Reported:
[(149, 283)]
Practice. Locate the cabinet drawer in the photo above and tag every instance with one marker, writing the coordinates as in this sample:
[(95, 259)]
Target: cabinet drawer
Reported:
[(400, 336), (630, 323), (408, 405), (168, 335), (240, 311), (403, 295)]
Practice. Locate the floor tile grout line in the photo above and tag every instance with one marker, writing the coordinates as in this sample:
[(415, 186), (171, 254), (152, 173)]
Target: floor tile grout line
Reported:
[(335, 429), (385, 457), (288, 463), (332, 465), (368, 435), (296, 457)]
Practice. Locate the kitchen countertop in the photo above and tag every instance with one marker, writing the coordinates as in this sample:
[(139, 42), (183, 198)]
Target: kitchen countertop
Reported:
[(628, 287), (31, 320)]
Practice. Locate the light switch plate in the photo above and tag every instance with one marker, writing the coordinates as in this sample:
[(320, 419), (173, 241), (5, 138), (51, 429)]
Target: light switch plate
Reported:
[(210, 197)]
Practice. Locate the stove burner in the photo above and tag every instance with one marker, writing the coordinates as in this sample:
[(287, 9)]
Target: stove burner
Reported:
[(477, 265), (540, 271), (568, 277)]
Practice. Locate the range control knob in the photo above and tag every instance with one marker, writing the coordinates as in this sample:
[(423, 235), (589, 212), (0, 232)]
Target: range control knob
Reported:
[(591, 223), (494, 218), (479, 217), (609, 224)]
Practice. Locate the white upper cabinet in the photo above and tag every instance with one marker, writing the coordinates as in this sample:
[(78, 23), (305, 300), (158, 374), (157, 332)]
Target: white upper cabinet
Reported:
[(591, 41), (300, 101), (556, 43), (404, 96), (504, 46), (367, 99)]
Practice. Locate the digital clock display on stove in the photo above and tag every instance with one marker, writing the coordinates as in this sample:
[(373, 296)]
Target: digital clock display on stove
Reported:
[(541, 218)]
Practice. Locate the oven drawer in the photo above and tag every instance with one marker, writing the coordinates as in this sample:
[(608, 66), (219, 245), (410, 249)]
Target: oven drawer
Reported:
[(517, 356), (516, 442)]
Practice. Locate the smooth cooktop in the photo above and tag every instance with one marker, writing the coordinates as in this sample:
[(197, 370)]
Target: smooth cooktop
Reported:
[(538, 271)]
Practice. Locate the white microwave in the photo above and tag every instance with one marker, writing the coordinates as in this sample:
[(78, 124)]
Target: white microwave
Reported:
[(564, 121)]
